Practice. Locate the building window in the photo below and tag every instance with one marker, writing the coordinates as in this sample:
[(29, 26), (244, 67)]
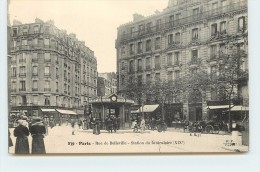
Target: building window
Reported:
[(131, 66), (149, 27), (177, 58), (47, 57), (195, 34), (140, 47), (157, 77), (213, 72), (148, 45), (47, 42), (213, 51), (47, 101), (13, 86), (222, 49), (123, 66), (171, 20), (139, 79), (13, 74), (24, 42), (131, 48), (47, 70), (34, 70), (157, 62), (157, 43), (170, 39), (241, 24), (194, 57), (132, 31), (148, 63), (22, 58), (178, 16), (170, 76), (22, 71), (25, 30), (36, 29), (223, 28), (195, 13), (15, 31), (34, 57), (148, 78), (22, 86), (214, 6), (177, 38), (139, 64), (35, 85), (47, 85), (214, 29), (57, 86), (13, 100), (158, 24), (141, 29), (169, 59)]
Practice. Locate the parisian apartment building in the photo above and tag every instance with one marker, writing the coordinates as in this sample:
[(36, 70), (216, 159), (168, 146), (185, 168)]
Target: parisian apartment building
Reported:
[(49, 68), (166, 45), (107, 84)]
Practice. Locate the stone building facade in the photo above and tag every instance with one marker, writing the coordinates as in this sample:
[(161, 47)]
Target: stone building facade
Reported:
[(169, 44), (107, 84), (49, 68)]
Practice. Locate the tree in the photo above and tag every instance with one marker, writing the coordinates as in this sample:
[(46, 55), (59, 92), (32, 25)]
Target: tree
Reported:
[(230, 71)]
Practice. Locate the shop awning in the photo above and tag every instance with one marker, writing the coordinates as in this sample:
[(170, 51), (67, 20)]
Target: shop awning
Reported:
[(48, 110), (69, 112), (240, 108), (219, 107), (147, 108)]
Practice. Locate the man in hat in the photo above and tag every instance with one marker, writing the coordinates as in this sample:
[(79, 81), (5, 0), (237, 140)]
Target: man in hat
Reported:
[(38, 131)]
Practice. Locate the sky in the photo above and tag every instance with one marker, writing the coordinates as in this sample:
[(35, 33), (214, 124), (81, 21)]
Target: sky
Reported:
[(93, 21)]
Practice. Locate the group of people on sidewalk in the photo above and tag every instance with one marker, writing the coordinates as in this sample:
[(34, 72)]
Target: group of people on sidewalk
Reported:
[(35, 126), (112, 123)]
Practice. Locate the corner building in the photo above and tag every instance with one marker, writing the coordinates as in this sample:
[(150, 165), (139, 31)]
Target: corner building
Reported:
[(169, 44), (49, 68)]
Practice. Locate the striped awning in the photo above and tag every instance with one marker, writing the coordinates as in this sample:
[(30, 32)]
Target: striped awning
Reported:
[(69, 112), (48, 110)]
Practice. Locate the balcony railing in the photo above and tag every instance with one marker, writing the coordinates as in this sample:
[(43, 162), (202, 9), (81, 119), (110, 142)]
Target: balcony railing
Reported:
[(47, 89), (34, 74), (194, 61), (13, 90), (47, 60), (157, 66), (22, 89), (22, 60), (34, 89), (34, 60), (192, 18), (213, 56), (47, 74), (22, 74)]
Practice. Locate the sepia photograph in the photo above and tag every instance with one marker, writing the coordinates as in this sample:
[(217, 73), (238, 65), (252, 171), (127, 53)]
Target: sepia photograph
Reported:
[(128, 76)]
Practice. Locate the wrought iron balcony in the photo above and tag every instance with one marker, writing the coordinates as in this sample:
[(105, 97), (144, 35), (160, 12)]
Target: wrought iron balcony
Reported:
[(47, 89), (192, 18)]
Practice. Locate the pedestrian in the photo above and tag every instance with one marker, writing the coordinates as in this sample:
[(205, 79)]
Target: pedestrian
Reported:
[(21, 133), (93, 124), (114, 122), (73, 125), (38, 131), (135, 126), (118, 122), (109, 123), (10, 142), (52, 122), (97, 126), (142, 125)]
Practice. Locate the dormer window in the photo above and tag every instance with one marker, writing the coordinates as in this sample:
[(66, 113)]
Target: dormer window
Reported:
[(25, 30), (36, 29), (15, 31)]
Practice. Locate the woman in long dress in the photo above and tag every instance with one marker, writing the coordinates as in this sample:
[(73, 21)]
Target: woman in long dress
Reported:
[(21, 133), (37, 131)]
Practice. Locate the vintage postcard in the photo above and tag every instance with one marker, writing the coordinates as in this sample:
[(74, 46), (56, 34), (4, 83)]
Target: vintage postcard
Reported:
[(110, 76)]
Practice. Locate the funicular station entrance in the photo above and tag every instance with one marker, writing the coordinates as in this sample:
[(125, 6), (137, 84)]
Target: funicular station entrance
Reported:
[(112, 105)]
